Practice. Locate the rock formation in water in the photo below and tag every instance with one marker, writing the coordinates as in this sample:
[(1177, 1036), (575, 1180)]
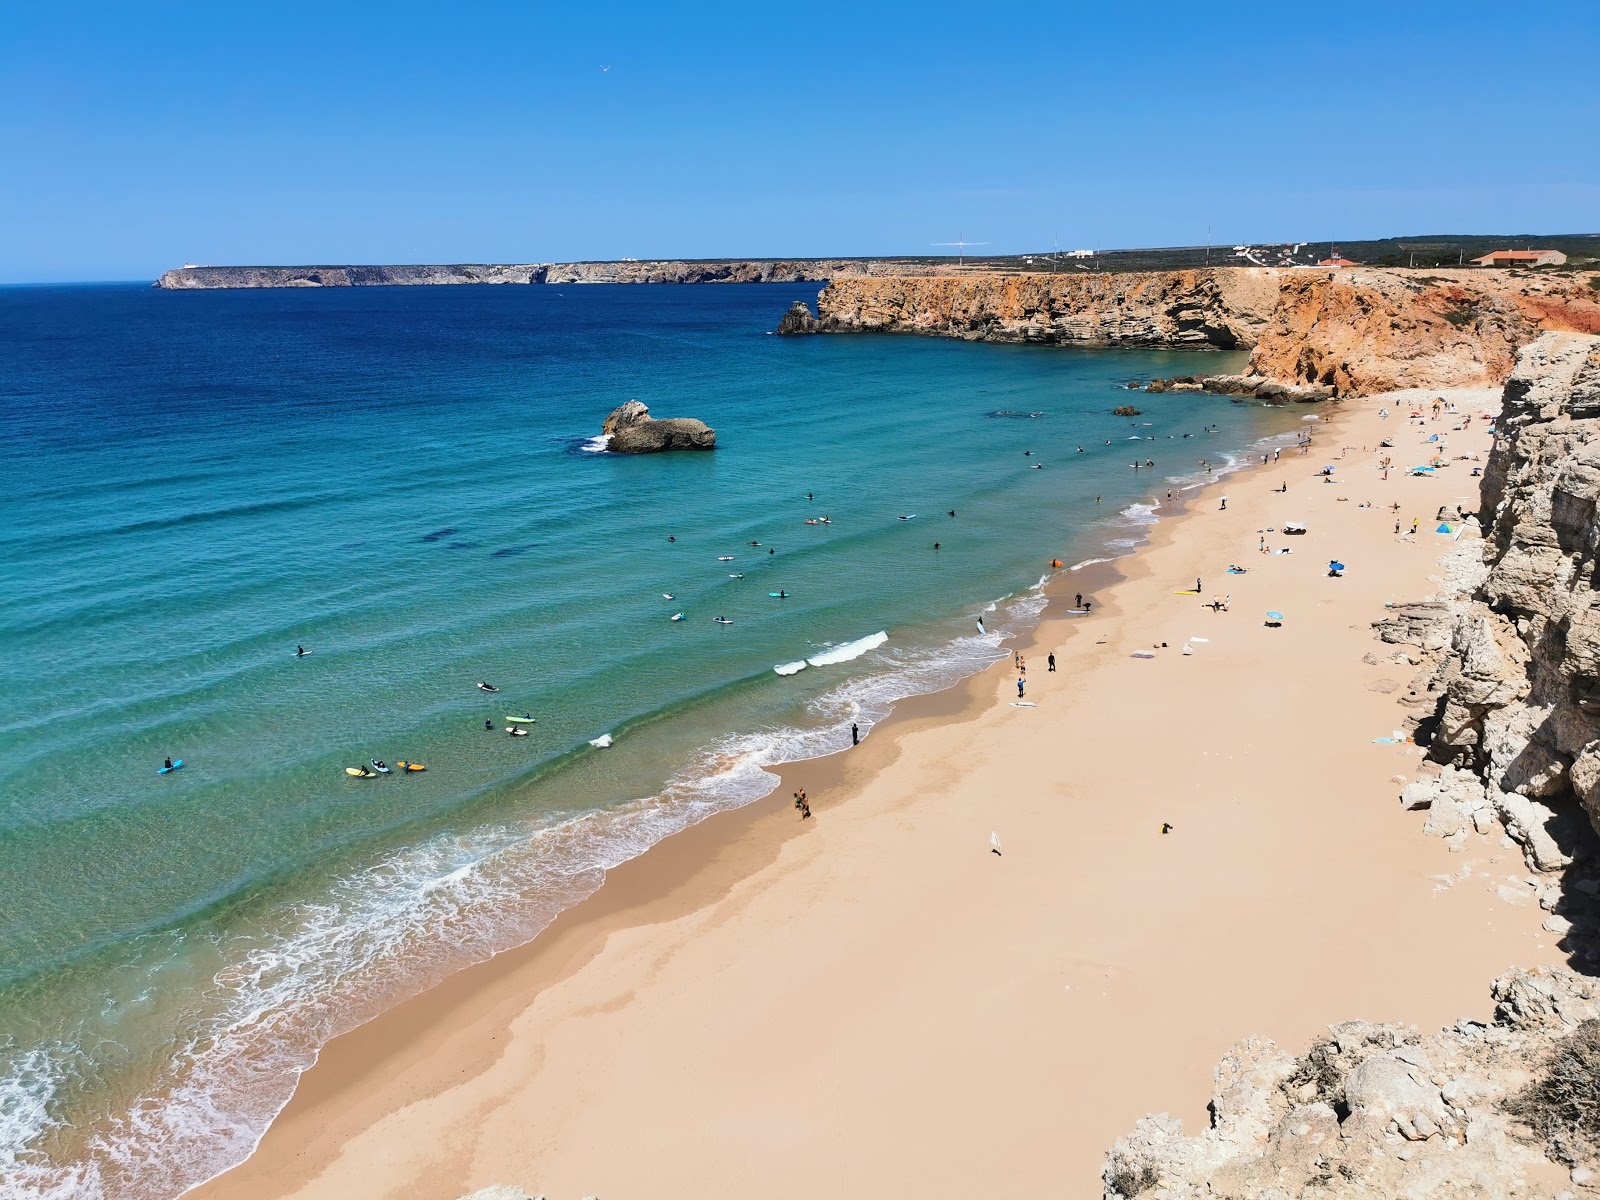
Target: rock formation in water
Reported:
[(632, 430), (797, 320), (1327, 333)]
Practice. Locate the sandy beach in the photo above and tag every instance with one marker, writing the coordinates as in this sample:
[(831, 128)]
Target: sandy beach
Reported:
[(874, 1002)]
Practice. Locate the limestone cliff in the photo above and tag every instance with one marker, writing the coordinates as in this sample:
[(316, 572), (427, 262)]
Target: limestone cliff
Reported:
[(1350, 332), (1520, 680), (729, 271), (1220, 309), (1376, 1111)]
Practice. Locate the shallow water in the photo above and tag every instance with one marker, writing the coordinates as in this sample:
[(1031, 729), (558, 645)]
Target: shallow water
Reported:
[(402, 480)]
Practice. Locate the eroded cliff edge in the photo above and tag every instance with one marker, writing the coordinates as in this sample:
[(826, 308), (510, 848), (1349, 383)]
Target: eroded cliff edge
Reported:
[(1349, 333), (1507, 702)]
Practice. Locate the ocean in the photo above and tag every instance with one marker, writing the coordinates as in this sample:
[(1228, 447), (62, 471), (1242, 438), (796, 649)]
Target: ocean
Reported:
[(407, 483)]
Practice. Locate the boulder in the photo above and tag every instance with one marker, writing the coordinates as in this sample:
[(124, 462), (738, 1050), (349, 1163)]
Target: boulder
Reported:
[(632, 430), (797, 320)]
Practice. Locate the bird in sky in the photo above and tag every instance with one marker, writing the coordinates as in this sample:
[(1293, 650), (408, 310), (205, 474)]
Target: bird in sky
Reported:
[(604, 69)]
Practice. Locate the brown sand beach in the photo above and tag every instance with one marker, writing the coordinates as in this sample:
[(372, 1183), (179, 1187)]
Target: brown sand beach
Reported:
[(874, 1001)]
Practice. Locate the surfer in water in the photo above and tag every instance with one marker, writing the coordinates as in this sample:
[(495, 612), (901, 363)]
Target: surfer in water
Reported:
[(299, 651), (167, 766), (484, 686), (489, 725)]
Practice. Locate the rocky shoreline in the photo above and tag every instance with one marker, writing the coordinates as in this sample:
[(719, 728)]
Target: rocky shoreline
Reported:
[(1507, 704)]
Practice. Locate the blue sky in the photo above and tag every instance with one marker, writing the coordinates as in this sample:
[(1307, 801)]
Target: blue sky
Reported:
[(134, 137)]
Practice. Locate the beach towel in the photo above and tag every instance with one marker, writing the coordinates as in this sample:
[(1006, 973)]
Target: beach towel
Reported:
[(1141, 654)]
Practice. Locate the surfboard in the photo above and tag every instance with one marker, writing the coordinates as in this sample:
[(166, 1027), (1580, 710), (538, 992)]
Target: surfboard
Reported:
[(360, 774), (307, 654), (1023, 704), (780, 595), (522, 720), (416, 766), (721, 621), (724, 558), (677, 616), (516, 731), (1077, 611), (176, 763)]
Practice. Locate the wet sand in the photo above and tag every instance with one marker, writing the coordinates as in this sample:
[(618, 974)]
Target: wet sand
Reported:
[(875, 1001)]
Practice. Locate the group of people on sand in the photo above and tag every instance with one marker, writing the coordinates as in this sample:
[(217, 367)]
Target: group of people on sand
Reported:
[(802, 805)]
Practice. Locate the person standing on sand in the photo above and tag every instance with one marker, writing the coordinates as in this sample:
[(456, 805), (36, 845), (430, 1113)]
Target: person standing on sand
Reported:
[(1022, 665), (1197, 588), (1078, 602), (1414, 523), (855, 734), (1020, 689), (1052, 662)]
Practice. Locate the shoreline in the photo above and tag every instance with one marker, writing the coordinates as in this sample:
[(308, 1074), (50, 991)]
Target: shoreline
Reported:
[(415, 1054)]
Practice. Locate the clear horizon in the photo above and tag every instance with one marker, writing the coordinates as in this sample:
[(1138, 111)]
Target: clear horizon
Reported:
[(288, 135)]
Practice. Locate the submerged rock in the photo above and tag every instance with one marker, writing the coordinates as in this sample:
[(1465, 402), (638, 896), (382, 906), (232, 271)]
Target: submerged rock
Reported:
[(632, 430)]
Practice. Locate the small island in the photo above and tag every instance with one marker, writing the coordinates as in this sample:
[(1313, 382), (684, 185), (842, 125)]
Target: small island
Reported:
[(630, 429)]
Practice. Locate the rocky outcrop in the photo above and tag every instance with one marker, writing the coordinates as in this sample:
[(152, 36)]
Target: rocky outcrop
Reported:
[(797, 320), (630, 429), (1315, 333), (1374, 1111), (1520, 680), (798, 270)]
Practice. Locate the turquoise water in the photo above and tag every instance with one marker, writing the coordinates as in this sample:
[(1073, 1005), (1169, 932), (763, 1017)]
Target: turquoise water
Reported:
[(404, 481)]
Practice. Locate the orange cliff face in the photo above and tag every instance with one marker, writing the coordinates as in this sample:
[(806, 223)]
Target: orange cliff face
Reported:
[(1353, 331), (1200, 309), (1365, 331)]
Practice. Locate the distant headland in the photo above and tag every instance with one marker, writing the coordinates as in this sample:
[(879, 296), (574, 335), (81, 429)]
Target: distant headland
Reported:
[(1424, 251)]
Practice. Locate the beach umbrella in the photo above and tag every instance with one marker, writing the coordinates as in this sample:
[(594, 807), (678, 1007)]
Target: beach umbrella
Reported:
[(1335, 566), (1433, 437), (1442, 529), (1274, 616)]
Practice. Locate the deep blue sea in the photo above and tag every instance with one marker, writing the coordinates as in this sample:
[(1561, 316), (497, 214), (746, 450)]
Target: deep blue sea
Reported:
[(405, 481)]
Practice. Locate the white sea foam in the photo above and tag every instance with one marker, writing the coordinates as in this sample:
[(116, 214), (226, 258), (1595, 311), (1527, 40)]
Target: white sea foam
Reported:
[(602, 742), (848, 651), (1088, 562), (1141, 514), (597, 445), (791, 668)]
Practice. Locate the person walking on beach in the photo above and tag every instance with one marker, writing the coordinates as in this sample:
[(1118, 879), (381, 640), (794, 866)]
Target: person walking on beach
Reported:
[(855, 734), (1078, 602), (1052, 662), (1197, 588), (1022, 665), (1414, 523), (1020, 689)]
